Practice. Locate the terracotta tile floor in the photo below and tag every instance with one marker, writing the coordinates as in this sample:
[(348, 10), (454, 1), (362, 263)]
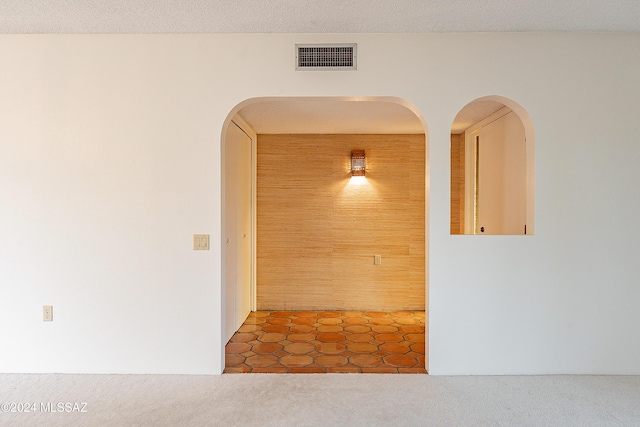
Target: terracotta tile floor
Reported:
[(328, 341)]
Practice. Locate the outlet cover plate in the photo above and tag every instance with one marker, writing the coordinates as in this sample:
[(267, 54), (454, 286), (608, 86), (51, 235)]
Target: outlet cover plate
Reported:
[(47, 313), (200, 242)]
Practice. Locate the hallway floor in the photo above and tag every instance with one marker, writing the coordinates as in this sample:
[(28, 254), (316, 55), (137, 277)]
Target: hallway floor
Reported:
[(328, 342)]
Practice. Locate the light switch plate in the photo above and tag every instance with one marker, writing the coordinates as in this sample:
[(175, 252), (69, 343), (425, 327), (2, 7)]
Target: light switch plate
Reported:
[(377, 259), (200, 242)]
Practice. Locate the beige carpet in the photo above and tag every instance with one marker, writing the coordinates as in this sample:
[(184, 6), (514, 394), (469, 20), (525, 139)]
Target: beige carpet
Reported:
[(320, 400)]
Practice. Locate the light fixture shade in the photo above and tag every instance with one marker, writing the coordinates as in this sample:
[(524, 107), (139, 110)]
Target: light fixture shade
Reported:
[(358, 163)]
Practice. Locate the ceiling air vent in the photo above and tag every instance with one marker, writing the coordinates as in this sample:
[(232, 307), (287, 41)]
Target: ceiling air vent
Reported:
[(326, 56)]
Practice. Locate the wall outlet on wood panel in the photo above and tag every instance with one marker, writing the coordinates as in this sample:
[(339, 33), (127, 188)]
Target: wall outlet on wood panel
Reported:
[(377, 260)]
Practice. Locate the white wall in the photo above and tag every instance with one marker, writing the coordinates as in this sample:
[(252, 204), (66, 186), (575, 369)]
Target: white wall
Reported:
[(110, 161)]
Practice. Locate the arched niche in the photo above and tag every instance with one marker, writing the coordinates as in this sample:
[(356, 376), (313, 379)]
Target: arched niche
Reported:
[(492, 168)]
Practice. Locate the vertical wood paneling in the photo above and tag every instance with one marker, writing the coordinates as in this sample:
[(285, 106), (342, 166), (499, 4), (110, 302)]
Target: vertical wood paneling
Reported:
[(461, 181), (318, 229), (457, 183)]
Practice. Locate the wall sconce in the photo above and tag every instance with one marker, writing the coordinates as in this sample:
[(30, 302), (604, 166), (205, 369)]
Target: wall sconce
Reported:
[(358, 163)]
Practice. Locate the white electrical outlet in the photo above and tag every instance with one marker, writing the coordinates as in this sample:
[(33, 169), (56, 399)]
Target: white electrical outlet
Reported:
[(47, 313), (377, 259)]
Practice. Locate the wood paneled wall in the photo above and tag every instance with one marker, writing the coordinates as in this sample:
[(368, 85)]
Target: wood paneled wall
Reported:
[(318, 229), (457, 183)]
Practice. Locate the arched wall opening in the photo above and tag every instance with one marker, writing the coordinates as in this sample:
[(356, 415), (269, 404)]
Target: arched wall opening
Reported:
[(492, 169), (319, 121)]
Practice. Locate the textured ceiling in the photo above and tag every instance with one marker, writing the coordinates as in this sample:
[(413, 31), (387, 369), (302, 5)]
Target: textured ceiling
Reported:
[(315, 16)]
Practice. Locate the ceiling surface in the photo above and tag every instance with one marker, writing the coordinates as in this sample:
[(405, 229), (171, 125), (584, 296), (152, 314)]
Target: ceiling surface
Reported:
[(316, 16), (330, 116), (349, 116)]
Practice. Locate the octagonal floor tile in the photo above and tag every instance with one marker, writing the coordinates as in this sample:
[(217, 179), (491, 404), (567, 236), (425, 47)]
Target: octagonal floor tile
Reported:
[(301, 337), (401, 314), (278, 320), (243, 337), (328, 341), (237, 347), (362, 347), (389, 338), (267, 348), (330, 348), (377, 314), (303, 320), (394, 348), (330, 328), (365, 360), (407, 321), (233, 360), (330, 320), (330, 337), (272, 337), (296, 360), (358, 337), (414, 337), (418, 347), (305, 314), (384, 328), (331, 360), (329, 314), (275, 328), (261, 360), (355, 321), (400, 361), (281, 314), (353, 314), (410, 329), (358, 329), (381, 321), (302, 328), (299, 348)]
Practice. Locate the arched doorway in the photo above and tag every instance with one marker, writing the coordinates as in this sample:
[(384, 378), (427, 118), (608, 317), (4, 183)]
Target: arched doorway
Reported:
[(324, 122)]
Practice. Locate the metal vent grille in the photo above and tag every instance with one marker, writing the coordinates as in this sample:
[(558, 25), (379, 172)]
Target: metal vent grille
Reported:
[(326, 57)]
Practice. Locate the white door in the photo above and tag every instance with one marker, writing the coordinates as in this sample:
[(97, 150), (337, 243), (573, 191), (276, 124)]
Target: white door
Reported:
[(238, 229), (243, 232), (501, 177)]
